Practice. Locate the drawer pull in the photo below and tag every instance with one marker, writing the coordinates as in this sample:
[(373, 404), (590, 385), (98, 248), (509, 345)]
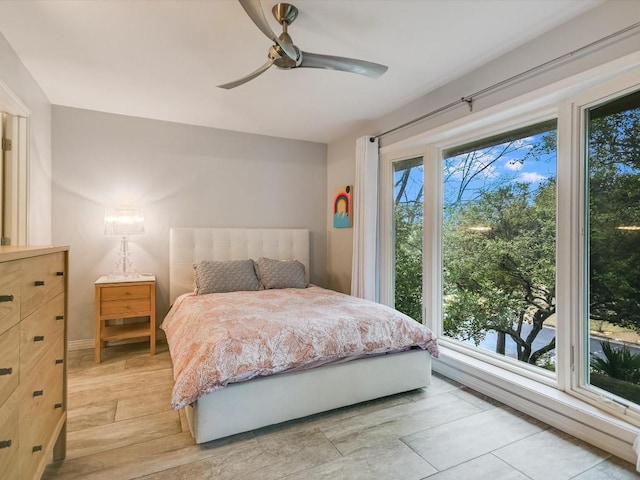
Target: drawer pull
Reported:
[(36, 448), (6, 371), (57, 405), (60, 274), (38, 338), (59, 361), (39, 283), (59, 317), (38, 393), (5, 443), (6, 298)]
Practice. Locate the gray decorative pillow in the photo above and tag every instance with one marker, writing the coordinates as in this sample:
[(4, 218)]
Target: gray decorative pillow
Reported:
[(229, 276), (280, 273)]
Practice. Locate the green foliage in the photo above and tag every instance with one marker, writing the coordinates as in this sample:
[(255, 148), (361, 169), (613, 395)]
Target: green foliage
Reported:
[(623, 389), (614, 198), (498, 279), (617, 363), (408, 259)]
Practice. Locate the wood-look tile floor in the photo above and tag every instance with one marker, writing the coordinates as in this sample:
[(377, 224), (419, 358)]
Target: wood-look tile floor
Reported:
[(121, 426)]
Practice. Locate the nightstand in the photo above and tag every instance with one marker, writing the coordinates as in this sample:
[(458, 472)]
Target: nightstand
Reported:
[(125, 297)]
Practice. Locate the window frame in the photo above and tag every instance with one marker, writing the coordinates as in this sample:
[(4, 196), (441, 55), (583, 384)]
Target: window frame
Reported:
[(386, 224), (434, 262), (577, 383)]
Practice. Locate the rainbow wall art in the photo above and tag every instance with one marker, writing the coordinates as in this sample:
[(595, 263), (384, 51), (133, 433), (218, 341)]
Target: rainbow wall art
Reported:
[(342, 207)]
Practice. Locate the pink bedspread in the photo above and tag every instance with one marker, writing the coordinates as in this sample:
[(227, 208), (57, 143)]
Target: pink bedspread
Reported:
[(223, 338)]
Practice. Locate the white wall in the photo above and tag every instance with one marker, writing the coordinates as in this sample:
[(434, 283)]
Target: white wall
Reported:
[(14, 74), (597, 23), (180, 175)]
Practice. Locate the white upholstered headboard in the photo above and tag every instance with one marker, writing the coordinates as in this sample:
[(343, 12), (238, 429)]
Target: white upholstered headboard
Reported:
[(189, 245)]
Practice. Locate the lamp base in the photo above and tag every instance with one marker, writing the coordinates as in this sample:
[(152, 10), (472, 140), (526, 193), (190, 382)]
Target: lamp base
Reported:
[(124, 267)]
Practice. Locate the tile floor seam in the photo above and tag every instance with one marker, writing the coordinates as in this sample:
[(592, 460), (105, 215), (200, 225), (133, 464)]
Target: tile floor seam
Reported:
[(507, 463), (445, 423), (114, 448), (493, 452), (423, 459), (332, 444)]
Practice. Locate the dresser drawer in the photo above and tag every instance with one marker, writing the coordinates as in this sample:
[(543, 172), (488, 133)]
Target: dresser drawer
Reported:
[(9, 362), (38, 332), (42, 278), (41, 404), (9, 435), (9, 295), (12, 468), (30, 460)]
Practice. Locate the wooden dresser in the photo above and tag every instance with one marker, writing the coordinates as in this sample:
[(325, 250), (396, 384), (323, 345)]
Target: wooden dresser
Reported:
[(33, 369)]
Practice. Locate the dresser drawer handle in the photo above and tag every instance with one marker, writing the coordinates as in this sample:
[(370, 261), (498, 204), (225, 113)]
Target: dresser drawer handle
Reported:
[(57, 405), (36, 448), (5, 443), (39, 283), (59, 317), (38, 393), (6, 298), (59, 361), (6, 371), (38, 338), (59, 274)]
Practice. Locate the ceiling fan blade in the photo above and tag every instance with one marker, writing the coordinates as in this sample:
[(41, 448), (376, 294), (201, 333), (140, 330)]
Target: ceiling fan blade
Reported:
[(344, 64), (254, 10), (246, 78)]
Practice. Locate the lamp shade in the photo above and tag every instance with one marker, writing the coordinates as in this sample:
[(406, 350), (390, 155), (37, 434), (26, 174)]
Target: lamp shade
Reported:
[(123, 222)]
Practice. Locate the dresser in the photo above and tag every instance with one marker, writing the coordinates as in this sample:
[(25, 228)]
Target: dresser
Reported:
[(33, 369)]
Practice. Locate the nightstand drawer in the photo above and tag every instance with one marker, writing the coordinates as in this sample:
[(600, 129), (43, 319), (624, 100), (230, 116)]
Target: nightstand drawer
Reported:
[(39, 331), (42, 280), (125, 292), (9, 295), (9, 362), (129, 308)]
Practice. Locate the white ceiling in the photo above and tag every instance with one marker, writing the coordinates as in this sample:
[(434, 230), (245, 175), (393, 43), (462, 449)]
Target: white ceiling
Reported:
[(162, 59)]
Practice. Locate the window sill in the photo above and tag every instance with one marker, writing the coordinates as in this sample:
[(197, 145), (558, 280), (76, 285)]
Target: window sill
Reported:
[(543, 402)]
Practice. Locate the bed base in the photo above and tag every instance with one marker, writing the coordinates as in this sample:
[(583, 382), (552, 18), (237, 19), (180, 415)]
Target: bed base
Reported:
[(241, 407)]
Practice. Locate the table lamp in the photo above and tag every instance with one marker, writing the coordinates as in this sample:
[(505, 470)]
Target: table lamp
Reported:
[(124, 222)]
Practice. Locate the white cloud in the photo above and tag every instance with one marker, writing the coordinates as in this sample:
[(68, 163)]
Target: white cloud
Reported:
[(513, 165), (531, 177)]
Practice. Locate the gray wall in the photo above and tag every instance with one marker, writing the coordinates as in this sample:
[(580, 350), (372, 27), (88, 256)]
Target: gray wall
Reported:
[(597, 23), (22, 84), (180, 175)]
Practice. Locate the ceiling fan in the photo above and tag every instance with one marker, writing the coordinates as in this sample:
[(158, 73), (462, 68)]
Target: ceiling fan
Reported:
[(285, 55)]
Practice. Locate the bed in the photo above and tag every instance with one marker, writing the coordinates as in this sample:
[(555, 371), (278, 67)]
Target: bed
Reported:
[(266, 400)]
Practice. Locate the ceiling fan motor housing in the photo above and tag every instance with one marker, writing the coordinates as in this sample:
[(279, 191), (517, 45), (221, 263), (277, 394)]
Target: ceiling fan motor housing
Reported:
[(284, 13)]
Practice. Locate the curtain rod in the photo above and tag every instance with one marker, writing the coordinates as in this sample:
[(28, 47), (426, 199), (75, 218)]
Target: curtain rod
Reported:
[(469, 99)]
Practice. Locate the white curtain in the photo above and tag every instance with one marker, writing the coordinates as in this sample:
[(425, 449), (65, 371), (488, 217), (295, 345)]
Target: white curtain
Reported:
[(364, 282)]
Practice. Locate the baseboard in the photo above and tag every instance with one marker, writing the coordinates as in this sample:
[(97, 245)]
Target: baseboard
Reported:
[(90, 342), (545, 403), (80, 344)]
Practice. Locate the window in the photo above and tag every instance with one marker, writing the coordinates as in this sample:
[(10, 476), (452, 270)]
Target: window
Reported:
[(612, 246), (408, 182), (499, 244), (530, 247)]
